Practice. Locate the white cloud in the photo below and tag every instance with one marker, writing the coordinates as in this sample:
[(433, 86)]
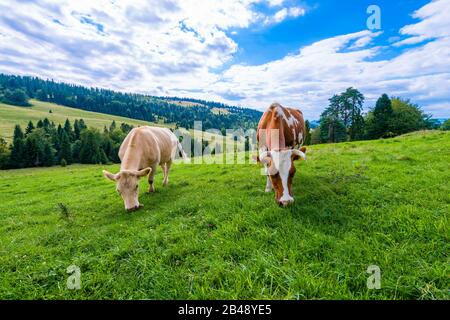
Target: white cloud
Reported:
[(275, 3), (134, 45), (364, 41), (283, 14), (148, 33), (435, 23)]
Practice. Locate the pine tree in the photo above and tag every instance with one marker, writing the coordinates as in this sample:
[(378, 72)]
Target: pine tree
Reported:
[(112, 127), (108, 147), (31, 154), (90, 151), (16, 159), (76, 130), (125, 127), (59, 130), (76, 147), (82, 125), (4, 154), (30, 128), (65, 151), (48, 158), (46, 123), (378, 126), (40, 124), (68, 130)]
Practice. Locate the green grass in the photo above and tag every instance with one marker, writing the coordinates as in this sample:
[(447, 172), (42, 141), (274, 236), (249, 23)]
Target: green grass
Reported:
[(213, 233), (12, 115)]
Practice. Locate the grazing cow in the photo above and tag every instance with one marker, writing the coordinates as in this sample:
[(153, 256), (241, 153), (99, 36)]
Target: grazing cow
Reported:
[(143, 149), (281, 132)]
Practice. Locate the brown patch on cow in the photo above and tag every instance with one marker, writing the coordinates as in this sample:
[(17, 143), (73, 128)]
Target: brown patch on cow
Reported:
[(288, 134), (277, 185), (291, 177)]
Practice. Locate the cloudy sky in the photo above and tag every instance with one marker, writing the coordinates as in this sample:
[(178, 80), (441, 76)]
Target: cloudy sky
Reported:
[(243, 52)]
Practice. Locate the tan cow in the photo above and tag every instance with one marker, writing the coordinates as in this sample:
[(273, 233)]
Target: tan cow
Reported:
[(281, 132), (143, 149)]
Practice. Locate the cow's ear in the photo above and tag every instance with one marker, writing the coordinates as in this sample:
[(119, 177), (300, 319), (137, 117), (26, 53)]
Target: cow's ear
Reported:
[(266, 160), (256, 158), (110, 176), (144, 172), (303, 149)]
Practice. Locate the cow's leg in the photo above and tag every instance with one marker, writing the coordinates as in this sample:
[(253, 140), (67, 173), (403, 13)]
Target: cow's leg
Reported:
[(151, 177), (268, 185), (166, 172)]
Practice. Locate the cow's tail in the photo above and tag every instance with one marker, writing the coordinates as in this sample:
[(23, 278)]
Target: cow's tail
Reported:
[(183, 154)]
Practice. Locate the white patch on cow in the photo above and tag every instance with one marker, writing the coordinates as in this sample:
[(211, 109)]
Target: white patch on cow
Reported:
[(300, 138), (283, 161), (268, 185), (290, 121)]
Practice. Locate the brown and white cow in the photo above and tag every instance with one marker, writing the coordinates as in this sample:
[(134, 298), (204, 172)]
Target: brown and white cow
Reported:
[(143, 149), (281, 132)]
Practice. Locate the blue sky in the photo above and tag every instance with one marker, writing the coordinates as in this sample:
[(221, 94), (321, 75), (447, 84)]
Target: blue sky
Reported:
[(243, 52), (324, 19)]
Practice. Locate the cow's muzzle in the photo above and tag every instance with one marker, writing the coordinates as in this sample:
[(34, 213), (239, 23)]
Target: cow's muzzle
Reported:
[(134, 208), (285, 203)]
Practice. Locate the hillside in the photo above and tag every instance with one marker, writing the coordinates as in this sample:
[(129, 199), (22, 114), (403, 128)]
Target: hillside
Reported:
[(213, 232), (12, 115), (15, 89)]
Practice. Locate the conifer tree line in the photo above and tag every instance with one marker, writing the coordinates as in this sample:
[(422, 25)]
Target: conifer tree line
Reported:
[(44, 144), (18, 89)]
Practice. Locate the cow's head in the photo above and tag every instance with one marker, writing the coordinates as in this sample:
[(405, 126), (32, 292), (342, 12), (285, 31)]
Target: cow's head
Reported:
[(280, 168), (127, 185)]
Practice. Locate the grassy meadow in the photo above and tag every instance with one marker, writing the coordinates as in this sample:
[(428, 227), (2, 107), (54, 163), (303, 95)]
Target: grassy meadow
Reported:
[(214, 233), (11, 115)]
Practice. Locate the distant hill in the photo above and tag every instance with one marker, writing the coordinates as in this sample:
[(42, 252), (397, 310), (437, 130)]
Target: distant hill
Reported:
[(314, 124), (439, 120), (182, 112), (12, 115)]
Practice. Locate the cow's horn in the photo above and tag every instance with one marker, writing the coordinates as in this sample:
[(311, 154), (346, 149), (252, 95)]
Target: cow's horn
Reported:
[(299, 153)]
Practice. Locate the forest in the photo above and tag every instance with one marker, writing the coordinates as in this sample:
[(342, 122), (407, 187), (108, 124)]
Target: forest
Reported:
[(344, 119), (44, 144), (18, 89)]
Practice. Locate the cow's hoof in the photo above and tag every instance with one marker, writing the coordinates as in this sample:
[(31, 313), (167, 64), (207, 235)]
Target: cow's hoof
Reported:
[(151, 190)]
